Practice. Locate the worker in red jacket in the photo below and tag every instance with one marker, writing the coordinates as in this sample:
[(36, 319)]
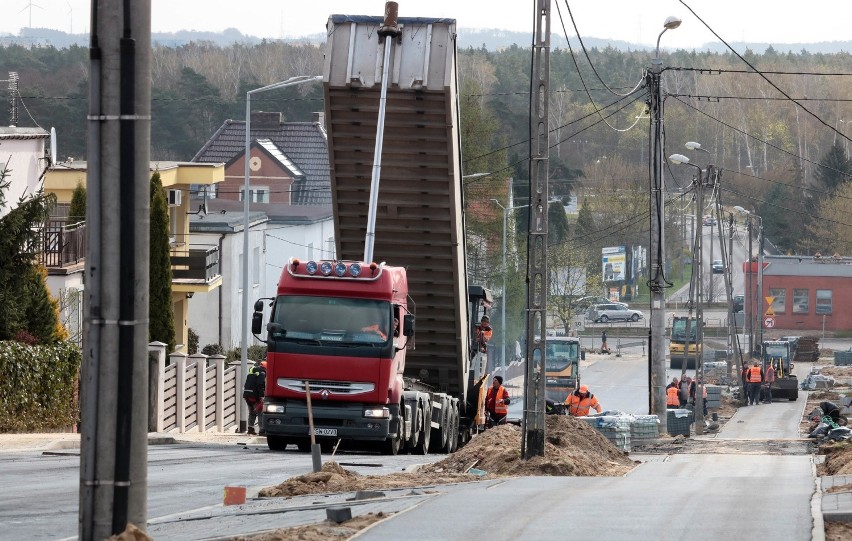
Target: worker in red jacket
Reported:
[(754, 377), (581, 401), (497, 402)]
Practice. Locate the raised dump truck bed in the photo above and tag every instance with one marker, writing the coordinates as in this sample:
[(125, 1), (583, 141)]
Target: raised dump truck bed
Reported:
[(419, 220)]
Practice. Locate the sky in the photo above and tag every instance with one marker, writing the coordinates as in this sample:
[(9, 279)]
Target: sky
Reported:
[(763, 21)]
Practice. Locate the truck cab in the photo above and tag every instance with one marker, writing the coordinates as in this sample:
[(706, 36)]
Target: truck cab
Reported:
[(780, 354), (562, 372)]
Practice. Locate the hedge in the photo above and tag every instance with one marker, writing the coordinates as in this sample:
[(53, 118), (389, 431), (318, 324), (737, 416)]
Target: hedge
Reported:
[(38, 386)]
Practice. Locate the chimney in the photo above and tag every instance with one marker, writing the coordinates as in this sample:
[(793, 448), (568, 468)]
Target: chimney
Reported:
[(261, 120), (318, 117)]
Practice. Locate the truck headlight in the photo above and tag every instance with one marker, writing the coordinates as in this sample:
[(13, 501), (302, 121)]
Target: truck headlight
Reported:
[(274, 408), (377, 413)]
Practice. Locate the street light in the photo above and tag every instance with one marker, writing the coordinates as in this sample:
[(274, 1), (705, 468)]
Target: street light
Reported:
[(692, 145), (246, 196), (506, 211), (657, 244), (750, 215), (699, 313)]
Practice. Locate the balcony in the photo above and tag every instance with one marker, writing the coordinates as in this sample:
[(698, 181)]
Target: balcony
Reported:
[(198, 265), (64, 247)]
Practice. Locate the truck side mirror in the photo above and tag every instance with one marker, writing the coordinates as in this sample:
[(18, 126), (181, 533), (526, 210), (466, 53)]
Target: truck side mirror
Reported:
[(257, 320), (258, 305), (408, 325)]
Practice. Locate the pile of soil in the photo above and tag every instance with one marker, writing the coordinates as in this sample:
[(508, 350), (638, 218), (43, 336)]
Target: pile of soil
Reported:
[(572, 447), (319, 532), (838, 458), (334, 478)]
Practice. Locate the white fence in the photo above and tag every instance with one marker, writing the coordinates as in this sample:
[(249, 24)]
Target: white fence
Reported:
[(193, 393)]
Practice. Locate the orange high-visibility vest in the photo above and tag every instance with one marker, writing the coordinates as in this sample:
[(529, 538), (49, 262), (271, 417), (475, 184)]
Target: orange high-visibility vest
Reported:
[(671, 396), (579, 406), (754, 374), (500, 407)]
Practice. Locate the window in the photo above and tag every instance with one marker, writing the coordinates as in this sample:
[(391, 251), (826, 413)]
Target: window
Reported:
[(800, 301), (823, 301), (259, 194), (779, 304)]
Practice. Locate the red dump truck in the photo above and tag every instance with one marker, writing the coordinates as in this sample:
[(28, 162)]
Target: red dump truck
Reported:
[(398, 388)]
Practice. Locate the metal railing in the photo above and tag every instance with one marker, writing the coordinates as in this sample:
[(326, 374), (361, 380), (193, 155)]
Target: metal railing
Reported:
[(198, 263), (62, 244)]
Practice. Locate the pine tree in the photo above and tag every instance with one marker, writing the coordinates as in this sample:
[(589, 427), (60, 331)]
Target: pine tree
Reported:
[(160, 312), (26, 302), (835, 168), (77, 212)]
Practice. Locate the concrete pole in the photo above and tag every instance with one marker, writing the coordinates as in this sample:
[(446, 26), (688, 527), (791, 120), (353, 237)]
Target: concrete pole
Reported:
[(503, 299), (114, 377), (656, 257), (532, 443), (760, 282), (748, 305)]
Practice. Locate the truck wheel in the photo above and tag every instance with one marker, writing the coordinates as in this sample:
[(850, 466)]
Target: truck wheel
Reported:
[(422, 447), (453, 442), (392, 445), (441, 435), (276, 443), (794, 396)]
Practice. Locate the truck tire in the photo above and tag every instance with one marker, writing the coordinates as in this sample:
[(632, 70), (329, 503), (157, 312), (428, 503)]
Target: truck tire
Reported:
[(422, 447), (393, 444), (441, 435), (276, 443), (794, 395), (453, 442)]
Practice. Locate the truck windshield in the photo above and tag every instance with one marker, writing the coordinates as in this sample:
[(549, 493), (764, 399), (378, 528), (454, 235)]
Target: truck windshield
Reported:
[(330, 321), (679, 330), (775, 351), (560, 355)]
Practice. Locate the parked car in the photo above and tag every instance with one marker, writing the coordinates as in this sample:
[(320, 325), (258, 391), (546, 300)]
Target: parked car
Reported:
[(602, 313), (717, 266), (584, 303), (739, 301)]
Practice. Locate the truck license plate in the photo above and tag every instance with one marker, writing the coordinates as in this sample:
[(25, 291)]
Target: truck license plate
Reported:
[(325, 432)]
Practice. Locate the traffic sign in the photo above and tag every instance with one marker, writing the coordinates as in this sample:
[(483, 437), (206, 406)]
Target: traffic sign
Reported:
[(769, 310), (769, 322)]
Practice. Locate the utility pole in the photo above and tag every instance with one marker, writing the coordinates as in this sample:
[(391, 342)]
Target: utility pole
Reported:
[(760, 283), (699, 315), (114, 372), (657, 242), (710, 289), (532, 443), (749, 303)]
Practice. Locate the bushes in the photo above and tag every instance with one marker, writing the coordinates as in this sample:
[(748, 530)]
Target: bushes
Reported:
[(38, 390)]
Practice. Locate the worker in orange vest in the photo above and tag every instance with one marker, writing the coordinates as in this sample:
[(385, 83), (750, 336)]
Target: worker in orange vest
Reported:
[(754, 377), (673, 394), (497, 402), (483, 333), (581, 401)]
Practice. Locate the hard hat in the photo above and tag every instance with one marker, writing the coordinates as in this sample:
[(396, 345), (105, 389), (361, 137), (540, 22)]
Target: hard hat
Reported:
[(584, 388), (486, 318)]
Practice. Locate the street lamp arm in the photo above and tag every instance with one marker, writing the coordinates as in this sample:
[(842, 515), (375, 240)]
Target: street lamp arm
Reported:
[(291, 81)]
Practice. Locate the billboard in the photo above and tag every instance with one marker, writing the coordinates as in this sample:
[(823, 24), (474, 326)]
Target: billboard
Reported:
[(613, 261)]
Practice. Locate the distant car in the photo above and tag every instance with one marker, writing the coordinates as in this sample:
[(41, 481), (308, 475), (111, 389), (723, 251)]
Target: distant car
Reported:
[(717, 266), (709, 220), (583, 303), (739, 301), (602, 313)]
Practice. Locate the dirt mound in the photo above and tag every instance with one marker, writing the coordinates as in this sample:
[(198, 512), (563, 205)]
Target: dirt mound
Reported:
[(824, 395), (838, 459), (319, 532), (334, 478), (571, 447)]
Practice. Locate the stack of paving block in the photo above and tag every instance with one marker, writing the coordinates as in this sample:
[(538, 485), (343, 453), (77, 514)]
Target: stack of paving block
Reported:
[(644, 427), (843, 358), (714, 396), (616, 428)]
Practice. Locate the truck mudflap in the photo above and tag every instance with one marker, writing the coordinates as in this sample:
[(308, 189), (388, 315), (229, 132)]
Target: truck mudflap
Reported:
[(333, 422)]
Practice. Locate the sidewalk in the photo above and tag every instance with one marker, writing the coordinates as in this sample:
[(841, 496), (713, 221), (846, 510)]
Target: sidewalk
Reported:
[(57, 441)]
